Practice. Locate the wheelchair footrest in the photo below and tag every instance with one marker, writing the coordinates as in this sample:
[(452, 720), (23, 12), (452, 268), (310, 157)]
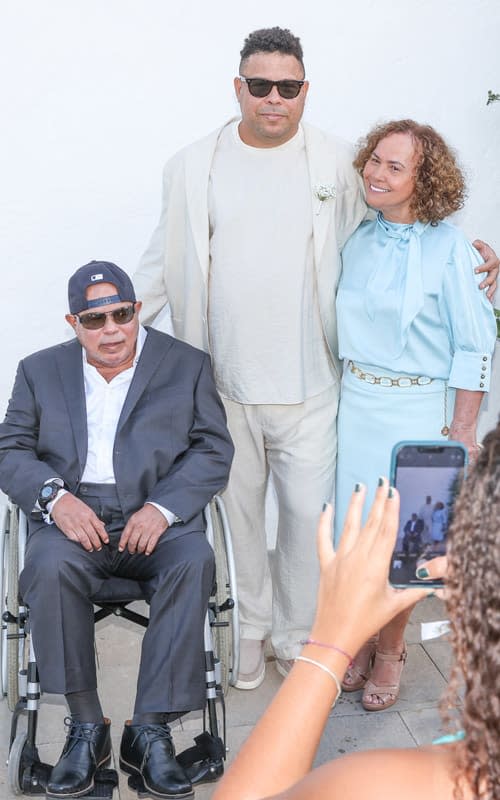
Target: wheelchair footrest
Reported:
[(34, 777), (206, 771), (204, 762)]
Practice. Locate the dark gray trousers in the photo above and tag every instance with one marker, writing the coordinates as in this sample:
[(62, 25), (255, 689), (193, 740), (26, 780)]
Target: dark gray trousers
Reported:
[(60, 578)]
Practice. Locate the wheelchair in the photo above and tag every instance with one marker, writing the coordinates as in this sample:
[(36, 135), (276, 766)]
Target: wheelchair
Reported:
[(203, 762)]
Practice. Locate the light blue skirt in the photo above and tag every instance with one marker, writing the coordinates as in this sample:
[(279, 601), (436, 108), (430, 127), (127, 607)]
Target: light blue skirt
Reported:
[(371, 420)]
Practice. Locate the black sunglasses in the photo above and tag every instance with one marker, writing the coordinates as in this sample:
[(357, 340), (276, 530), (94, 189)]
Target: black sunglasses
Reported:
[(97, 319), (261, 87)]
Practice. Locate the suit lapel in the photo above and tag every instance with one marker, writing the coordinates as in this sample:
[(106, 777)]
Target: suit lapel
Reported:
[(322, 171), (155, 348), (198, 166), (70, 367)]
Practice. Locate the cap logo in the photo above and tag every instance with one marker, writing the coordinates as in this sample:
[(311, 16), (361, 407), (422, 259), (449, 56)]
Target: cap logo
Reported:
[(97, 277)]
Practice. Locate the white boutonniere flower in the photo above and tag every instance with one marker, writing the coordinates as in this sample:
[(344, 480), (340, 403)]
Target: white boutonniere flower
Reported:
[(325, 191)]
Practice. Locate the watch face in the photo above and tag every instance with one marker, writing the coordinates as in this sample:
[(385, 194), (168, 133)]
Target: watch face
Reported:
[(47, 494)]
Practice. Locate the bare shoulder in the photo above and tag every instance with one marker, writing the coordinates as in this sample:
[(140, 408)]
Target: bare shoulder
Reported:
[(382, 775)]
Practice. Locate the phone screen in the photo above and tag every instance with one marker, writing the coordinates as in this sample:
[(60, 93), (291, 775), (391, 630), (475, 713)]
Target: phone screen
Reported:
[(428, 476)]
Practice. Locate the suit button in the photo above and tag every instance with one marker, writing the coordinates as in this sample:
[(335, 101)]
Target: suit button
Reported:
[(481, 385), (485, 358)]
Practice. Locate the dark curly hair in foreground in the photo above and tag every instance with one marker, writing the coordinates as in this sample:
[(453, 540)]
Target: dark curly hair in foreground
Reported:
[(272, 40), (473, 601), (439, 183)]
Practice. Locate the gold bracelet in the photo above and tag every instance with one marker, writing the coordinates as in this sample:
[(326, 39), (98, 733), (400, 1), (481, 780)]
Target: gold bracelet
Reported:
[(325, 669)]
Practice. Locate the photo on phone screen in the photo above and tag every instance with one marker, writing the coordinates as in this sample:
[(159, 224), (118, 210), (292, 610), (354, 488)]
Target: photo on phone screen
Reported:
[(428, 477)]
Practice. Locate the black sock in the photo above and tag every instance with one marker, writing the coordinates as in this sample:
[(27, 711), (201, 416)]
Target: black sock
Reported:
[(85, 706)]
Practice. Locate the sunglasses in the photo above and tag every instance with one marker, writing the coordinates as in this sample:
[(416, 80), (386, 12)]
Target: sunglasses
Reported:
[(97, 319), (261, 87)]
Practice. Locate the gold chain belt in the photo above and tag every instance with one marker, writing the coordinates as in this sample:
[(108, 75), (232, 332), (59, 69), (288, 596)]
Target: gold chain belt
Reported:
[(384, 380)]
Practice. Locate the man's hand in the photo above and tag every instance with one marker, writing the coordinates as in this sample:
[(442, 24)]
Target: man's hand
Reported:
[(491, 265), (79, 523), (142, 531)]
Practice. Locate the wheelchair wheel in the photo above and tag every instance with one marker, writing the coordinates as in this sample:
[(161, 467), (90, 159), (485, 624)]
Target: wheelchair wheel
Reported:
[(12, 641), (226, 628), (4, 527), (14, 765), (223, 632)]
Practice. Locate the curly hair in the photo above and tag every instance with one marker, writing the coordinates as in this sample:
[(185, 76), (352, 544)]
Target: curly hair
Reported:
[(473, 602), (272, 40), (439, 182)]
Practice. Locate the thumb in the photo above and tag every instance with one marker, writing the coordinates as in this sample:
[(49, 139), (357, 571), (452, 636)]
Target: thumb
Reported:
[(435, 568)]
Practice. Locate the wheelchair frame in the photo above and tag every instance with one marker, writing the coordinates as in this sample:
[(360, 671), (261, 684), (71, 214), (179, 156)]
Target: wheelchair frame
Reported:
[(204, 762)]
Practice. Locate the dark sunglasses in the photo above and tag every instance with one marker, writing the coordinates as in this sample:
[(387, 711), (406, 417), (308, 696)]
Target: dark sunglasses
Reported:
[(97, 319), (260, 87)]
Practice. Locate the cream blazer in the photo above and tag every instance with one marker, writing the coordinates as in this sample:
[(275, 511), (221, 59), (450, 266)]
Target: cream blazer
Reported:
[(174, 268)]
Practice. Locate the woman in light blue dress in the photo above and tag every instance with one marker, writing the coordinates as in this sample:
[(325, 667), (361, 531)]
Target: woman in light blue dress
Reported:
[(439, 522), (416, 335)]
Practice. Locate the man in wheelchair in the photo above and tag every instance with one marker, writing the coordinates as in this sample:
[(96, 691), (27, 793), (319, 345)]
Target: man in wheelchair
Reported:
[(113, 443)]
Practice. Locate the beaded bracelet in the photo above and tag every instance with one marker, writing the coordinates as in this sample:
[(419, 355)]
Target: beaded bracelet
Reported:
[(325, 669), (330, 647)]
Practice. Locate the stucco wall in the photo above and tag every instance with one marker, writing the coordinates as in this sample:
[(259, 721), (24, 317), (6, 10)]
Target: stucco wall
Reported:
[(98, 94)]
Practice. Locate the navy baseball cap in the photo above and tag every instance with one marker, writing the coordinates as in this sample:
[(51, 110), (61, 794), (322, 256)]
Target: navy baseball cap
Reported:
[(98, 272)]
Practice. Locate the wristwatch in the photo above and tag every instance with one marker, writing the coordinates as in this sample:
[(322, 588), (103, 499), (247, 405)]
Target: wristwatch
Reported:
[(48, 493)]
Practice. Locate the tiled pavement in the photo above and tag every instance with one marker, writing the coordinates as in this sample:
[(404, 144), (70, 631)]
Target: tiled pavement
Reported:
[(413, 720)]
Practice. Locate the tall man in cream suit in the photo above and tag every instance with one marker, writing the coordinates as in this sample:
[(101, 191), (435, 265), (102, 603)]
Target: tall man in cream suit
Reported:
[(246, 253)]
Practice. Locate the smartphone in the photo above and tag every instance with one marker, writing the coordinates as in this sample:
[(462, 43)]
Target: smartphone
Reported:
[(428, 477)]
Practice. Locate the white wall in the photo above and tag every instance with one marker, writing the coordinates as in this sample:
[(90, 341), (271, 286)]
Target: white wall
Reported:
[(97, 94)]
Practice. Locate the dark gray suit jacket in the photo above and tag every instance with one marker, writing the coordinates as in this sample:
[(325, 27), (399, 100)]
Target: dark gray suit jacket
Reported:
[(172, 445)]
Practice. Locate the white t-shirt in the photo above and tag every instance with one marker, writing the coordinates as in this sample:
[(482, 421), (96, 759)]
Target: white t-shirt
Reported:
[(265, 331)]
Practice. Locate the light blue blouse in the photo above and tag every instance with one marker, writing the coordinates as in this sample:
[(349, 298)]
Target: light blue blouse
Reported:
[(408, 302)]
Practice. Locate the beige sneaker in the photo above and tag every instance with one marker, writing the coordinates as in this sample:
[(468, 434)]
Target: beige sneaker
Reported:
[(252, 665)]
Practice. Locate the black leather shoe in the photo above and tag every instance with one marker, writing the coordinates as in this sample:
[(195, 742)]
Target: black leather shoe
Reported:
[(147, 751), (87, 747)]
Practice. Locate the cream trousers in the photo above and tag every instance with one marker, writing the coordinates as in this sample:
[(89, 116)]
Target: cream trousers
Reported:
[(297, 444)]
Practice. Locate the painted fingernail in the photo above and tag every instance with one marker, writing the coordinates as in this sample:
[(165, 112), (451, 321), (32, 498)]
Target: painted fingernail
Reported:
[(431, 593), (380, 481), (422, 572), (325, 506), (390, 493), (357, 487)]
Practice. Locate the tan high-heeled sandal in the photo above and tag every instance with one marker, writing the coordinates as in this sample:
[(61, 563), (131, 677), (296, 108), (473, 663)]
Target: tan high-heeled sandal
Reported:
[(390, 691), (358, 673)]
